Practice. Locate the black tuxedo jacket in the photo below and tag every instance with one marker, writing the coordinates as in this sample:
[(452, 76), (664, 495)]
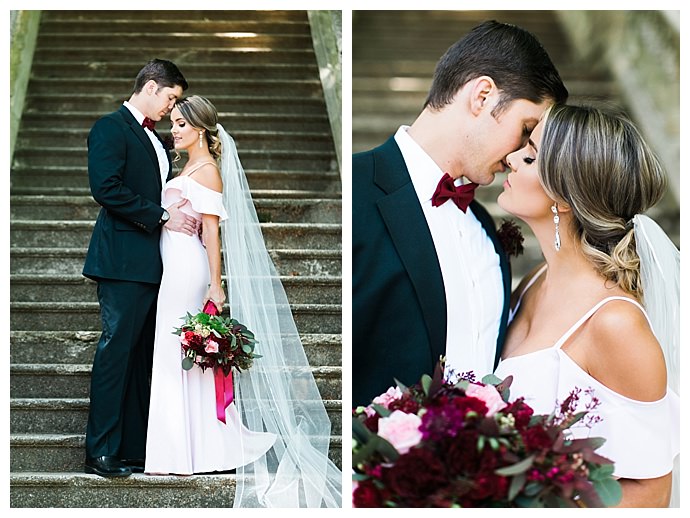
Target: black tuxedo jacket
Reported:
[(398, 295), (125, 180)]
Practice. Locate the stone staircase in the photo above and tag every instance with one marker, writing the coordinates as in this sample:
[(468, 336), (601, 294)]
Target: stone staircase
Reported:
[(391, 76), (259, 69)]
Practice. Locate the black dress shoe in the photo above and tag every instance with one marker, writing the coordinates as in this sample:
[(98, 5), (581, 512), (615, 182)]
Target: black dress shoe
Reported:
[(136, 465), (106, 467)]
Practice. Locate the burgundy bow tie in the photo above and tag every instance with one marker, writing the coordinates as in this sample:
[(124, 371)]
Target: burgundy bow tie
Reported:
[(461, 195), (148, 123)]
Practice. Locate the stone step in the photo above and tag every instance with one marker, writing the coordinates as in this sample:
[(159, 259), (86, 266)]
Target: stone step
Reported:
[(66, 316), (78, 490), (61, 180), (198, 71), (234, 121), (122, 87), (69, 415), (29, 233), (65, 453), (73, 381), (229, 29), (57, 261), (126, 39), (106, 102), (246, 140), (137, 56), (281, 159), (75, 288), (78, 347), (85, 208), (162, 15)]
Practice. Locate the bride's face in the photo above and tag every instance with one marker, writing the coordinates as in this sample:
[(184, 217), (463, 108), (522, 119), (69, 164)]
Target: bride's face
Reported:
[(183, 133), (523, 194)]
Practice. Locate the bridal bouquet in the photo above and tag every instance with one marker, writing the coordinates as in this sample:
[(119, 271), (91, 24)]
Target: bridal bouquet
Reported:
[(442, 444), (211, 341)]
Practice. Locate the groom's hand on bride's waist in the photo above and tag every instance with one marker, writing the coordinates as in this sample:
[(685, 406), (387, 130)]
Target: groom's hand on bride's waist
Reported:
[(180, 221)]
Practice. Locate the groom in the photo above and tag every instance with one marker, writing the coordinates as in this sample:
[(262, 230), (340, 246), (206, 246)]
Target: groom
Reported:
[(430, 277), (128, 166)]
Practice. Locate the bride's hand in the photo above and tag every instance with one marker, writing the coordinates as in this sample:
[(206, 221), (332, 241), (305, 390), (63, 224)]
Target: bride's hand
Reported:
[(216, 295)]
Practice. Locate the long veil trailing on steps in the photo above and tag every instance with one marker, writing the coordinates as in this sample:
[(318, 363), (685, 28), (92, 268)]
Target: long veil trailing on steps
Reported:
[(279, 393)]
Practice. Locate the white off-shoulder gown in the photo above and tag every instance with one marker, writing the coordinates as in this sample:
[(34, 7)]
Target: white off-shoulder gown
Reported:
[(642, 438), (184, 436)]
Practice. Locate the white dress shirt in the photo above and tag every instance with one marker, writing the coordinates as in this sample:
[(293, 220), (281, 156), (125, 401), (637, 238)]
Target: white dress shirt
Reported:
[(469, 265), (160, 150)]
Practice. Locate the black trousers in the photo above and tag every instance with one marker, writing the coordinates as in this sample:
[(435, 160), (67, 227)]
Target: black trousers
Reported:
[(120, 379)]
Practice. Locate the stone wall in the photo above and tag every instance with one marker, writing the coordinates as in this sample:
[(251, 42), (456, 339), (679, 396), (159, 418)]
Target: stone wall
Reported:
[(326, 30), (642, 50), (23, 33)]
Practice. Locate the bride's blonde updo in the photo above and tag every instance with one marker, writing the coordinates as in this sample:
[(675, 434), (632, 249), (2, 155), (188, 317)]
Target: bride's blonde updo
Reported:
[(598, 163), (201, 114)]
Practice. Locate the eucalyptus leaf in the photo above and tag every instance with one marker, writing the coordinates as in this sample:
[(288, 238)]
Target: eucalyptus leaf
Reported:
[(517, 468), (426, 383), (609, 491), (381, 410), (601, 472), (187, 363), (491, 379), (516, 484)]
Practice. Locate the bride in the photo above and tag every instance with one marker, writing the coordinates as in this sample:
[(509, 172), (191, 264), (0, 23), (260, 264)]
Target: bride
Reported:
[(602, 312), (276, 433)]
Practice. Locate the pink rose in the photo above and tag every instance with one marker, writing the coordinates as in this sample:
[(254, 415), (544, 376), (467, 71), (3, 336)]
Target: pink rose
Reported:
[(489, 395), (384, 400), (401, 430), (211, 346)]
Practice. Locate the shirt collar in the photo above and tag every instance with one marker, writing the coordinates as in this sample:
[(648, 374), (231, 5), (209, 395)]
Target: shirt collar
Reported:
[(137, 114)]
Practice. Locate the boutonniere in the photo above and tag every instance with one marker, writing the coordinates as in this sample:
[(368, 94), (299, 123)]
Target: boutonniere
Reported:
[(511, 238), (168, 143)]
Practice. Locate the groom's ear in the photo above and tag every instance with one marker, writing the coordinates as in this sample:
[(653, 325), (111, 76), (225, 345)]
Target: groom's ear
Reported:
[(482, 94)]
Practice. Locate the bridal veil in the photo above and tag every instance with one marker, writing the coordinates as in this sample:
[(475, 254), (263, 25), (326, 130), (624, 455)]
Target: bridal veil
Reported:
[(660, 277), (279, 393)]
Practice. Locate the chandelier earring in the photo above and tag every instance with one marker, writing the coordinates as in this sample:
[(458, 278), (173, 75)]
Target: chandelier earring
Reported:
[(556, 221)]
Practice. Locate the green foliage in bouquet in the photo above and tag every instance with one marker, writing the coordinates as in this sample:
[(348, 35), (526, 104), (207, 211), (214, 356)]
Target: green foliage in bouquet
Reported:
[(212, 341), (438, 444)]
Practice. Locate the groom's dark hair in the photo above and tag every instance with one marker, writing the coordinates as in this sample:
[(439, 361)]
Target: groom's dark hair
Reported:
[(511, 56), (163, 72)]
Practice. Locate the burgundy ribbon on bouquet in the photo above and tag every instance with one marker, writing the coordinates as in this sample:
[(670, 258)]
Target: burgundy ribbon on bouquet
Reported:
[(224, 392)]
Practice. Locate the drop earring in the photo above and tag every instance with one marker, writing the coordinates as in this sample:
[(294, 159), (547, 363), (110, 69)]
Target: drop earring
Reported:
[(556, 221), (201, 139)]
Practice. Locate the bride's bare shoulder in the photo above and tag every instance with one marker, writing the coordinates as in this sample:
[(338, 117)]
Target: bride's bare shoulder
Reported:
[(624, 354), (208, 175)]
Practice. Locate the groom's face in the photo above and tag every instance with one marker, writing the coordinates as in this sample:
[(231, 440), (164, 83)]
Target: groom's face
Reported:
[(499, 135), (162, 101)]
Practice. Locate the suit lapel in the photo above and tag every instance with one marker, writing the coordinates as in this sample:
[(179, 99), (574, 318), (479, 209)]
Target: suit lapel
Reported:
[(144, 139), (406, 223)]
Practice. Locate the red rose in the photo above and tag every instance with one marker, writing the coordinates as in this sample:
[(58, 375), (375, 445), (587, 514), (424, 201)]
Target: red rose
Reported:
[(462, 455), (490, 485), (415, 475), (367, 495), (536, 438), (521, 412)]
